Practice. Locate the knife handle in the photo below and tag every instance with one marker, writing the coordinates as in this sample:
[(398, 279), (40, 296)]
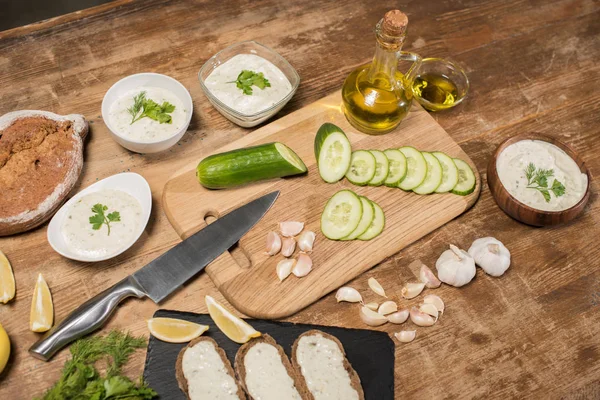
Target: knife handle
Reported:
[(88, 317)]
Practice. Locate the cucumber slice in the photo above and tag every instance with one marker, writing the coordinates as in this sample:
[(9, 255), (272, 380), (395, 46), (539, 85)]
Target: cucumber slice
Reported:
[(449, 172), (433, 179), (362, 167), (365, 221), (333, 152), (466, 178), (382, 168), (397, 170), (416, 168), (377, 224), (341, 215)]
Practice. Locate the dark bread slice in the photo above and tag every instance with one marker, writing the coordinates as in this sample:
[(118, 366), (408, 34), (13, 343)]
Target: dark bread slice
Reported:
[(354, 378), (240, 367), (181, 379)]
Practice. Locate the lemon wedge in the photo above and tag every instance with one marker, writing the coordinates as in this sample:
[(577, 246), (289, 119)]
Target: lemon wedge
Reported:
[(7, 280), (42, 310), (233, 327), (175, 330), (4, 348)]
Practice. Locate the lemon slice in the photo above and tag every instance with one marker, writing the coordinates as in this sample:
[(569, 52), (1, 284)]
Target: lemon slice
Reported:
[(233, 327), (42, 310), (175, 330), (7, 280), (4, 348)]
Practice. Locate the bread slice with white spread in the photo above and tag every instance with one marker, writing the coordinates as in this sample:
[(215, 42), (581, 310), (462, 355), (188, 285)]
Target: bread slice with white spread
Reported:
[(204, 372), (266, 373), (321, 360)]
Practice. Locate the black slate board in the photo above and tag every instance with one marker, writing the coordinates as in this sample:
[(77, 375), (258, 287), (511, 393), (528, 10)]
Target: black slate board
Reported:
[(371, 353)]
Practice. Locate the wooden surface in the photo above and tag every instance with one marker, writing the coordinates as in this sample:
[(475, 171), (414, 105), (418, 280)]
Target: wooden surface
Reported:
[(408, 216), (533, 66)]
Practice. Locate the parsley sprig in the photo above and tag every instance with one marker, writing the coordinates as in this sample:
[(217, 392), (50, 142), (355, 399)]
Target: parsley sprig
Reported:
[(144, 107), (99, 218), (246, 79), (537, 178)]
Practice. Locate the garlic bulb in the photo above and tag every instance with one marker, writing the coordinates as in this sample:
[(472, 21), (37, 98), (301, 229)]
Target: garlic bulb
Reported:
[(288, 245), (387, 307), (372, 318), (291, 228), (376, 287), (372, 306), (303, 265), (455, 267), (427, 276), (273, 243), (429, 309), (284, 268), (436, 301), (399, 317), (412, 290), (405, 336), (348, 294), (306, 241), (491, 255), (420, 318)]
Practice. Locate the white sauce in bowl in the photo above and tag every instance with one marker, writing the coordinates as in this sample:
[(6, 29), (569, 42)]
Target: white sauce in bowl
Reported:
[(146, 130), (221, 83), (513, 161), (82, 239)]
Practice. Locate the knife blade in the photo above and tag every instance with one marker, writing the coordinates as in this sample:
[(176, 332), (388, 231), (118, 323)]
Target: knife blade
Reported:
[(159, 278)]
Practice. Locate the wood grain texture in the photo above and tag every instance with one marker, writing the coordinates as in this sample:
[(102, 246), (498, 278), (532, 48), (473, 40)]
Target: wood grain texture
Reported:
[(408, 216), (533, 67)]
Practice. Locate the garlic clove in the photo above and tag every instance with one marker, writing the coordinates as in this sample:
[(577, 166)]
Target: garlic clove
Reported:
[(284, 268), (427, 276), (405, 336), (288, 245), (290, 228), (372, 318), (412, 290), (372, 306), (306, 241), (455, 267), (273, 243), (399, 317), (303, 265), (420, 318), (348, 294), (491, 255), (387, 307), (429, 309), (376, 287), (436, 301)]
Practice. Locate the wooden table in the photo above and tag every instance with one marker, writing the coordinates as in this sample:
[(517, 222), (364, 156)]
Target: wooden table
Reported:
[(535, 332)]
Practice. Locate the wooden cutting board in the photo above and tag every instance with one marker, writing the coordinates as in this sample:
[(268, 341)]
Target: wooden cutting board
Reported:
[(251, 285)]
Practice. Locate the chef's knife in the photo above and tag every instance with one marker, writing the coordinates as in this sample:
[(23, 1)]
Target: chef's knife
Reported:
[(159, 278)]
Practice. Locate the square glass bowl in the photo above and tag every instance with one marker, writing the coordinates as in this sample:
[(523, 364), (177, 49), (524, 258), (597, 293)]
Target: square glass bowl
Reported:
[(249, 47)]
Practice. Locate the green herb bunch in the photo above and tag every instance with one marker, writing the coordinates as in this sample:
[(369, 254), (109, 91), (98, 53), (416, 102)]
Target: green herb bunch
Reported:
[(80, 380), (144, 107), (99, 218), (537, 178), (246, 79)]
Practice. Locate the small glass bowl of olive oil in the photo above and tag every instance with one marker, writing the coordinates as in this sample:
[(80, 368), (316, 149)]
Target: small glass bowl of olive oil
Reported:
[(440, 84)]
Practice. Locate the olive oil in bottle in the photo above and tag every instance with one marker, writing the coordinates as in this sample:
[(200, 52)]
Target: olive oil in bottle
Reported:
[(438, 90)]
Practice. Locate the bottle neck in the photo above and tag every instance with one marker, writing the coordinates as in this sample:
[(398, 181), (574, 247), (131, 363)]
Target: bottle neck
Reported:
[(385, 61)]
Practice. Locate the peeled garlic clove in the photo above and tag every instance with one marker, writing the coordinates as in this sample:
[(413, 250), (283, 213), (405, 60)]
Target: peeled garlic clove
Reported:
[(455, 267), (427, 276), (429, 309), (306, 241), (376, 287), (284, 268), (436, 301), (387, 307), (288, 245), (405, 336), (348, 294), (412, 290), (303, 265), (491, 255), (273, 243), (372, 306), (372, 318), (291, 228), (420, 318), (399, 317)]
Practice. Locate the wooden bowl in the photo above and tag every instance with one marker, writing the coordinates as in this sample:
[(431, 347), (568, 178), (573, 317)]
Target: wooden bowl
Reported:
[(522, 212)]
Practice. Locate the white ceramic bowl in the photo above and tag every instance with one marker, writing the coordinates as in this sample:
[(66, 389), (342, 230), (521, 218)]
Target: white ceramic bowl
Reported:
[(132, 82), (128, 182)]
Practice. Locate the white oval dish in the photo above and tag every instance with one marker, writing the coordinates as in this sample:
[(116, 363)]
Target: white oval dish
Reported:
[(150, 79), (128, 182)]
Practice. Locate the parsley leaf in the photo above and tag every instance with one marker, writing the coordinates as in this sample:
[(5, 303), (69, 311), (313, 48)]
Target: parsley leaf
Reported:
[(99, 219), (538, 179), (246, 79), (558, 188), (143, 107)]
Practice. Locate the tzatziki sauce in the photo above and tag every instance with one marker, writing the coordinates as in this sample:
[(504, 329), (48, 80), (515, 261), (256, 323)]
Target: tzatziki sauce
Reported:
[(221, 83), (512, 164), (145, 129), (79, 233)]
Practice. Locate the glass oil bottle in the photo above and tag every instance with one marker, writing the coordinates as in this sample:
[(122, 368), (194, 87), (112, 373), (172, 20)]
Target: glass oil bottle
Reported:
[(377, 96)]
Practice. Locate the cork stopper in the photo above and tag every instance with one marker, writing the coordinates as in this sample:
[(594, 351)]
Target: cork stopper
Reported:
[(394, 23)]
